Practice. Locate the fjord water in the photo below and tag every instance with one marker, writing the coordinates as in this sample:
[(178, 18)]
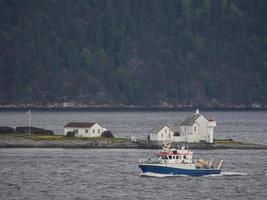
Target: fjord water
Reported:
[(113, 174), (245, 126)]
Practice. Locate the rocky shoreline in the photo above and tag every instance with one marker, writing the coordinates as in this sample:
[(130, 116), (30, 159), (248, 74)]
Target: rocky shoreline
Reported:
[(28, 143), (164, 107)]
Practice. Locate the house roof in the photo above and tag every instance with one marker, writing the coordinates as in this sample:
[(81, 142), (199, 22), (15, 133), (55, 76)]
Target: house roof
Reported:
[(80, 124), (157, 128), (190, 120)]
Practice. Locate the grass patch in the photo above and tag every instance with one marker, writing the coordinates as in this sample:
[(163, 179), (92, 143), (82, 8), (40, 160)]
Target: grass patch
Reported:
[(227, 142), (43, 137), (102, 139)]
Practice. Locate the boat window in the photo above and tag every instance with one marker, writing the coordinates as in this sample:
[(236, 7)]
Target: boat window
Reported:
[(184, 156), (177, 157), (170, 157)]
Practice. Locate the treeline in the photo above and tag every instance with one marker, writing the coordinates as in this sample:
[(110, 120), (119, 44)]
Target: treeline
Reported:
[(141, 52)]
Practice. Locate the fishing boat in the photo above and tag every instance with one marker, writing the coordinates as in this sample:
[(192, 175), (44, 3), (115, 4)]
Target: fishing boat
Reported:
[(171, 161)]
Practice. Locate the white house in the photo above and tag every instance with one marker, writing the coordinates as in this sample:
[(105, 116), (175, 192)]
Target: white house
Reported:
[(196, 128), (84, 129), (163, 133)]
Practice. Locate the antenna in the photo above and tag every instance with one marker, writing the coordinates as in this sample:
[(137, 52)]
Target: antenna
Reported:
[(29, 122)]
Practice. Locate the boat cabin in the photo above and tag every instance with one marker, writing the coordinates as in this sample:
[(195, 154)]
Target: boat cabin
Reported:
[(175, 156)]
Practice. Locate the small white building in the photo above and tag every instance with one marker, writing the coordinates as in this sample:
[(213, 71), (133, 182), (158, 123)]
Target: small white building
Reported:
[(163, 133), (196, 128), (84, 129)]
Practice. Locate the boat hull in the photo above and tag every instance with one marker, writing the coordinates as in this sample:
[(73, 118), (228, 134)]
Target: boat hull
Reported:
[(177, 171)]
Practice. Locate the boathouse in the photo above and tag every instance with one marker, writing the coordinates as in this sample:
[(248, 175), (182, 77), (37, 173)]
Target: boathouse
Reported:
[(196, 128), (161, 133), (84, 129)]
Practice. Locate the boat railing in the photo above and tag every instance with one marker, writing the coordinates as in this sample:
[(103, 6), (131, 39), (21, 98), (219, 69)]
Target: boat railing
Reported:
[(149, 161)]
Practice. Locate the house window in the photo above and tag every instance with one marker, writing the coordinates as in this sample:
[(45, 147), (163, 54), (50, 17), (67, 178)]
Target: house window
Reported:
[(165, 130), (98, 130), (195, 129), (93, 130), (162, 135), (86, 131), (169, 135)]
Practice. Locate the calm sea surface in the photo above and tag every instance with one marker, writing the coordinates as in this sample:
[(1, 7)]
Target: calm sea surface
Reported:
[(244, 126), (96, 174)]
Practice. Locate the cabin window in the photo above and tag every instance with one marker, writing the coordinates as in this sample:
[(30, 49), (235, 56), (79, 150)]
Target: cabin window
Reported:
[(86, 131), (98, 130), (93, 130)]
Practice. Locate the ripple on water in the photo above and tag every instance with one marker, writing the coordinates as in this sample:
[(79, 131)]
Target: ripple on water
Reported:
[(114, 174)]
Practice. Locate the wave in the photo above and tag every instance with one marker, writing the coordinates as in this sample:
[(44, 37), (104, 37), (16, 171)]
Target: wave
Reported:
[(228, 174), (233, 174), (150, 174)]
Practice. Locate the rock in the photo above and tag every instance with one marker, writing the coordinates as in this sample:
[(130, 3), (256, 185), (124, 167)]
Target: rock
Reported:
[(34, 130), (70, 134), (107, 134), (6, 129)]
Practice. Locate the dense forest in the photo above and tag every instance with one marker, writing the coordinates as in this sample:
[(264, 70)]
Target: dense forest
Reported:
[(133, 52)]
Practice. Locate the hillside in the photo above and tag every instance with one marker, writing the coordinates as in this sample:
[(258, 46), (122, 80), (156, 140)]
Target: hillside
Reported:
[(154, 52)]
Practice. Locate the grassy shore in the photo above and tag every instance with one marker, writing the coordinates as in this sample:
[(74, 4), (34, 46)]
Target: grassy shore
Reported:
[(43, 137), (60, 141)]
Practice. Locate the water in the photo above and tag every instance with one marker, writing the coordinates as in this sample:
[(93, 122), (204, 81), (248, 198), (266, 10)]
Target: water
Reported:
[(96, 174), (246, 126), (41, 174)]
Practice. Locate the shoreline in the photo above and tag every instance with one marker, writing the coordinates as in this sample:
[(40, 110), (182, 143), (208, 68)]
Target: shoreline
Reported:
[(129, 108), (116, 143)]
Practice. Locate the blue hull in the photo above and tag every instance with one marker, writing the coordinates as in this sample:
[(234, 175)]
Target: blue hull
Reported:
[(178, 171)]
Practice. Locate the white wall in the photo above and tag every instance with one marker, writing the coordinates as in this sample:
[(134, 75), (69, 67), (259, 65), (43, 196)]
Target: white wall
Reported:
[(164, 134), (95, 131), (202, 129)]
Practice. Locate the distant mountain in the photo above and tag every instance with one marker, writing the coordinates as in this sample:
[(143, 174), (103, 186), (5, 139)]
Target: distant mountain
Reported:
[(133, 52)]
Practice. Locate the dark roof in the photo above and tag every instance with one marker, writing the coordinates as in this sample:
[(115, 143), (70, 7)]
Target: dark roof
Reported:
[(80, 124), (189, 121), (157, 128)]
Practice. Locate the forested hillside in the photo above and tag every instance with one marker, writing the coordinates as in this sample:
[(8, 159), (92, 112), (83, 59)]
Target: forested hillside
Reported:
[(133, 52)]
